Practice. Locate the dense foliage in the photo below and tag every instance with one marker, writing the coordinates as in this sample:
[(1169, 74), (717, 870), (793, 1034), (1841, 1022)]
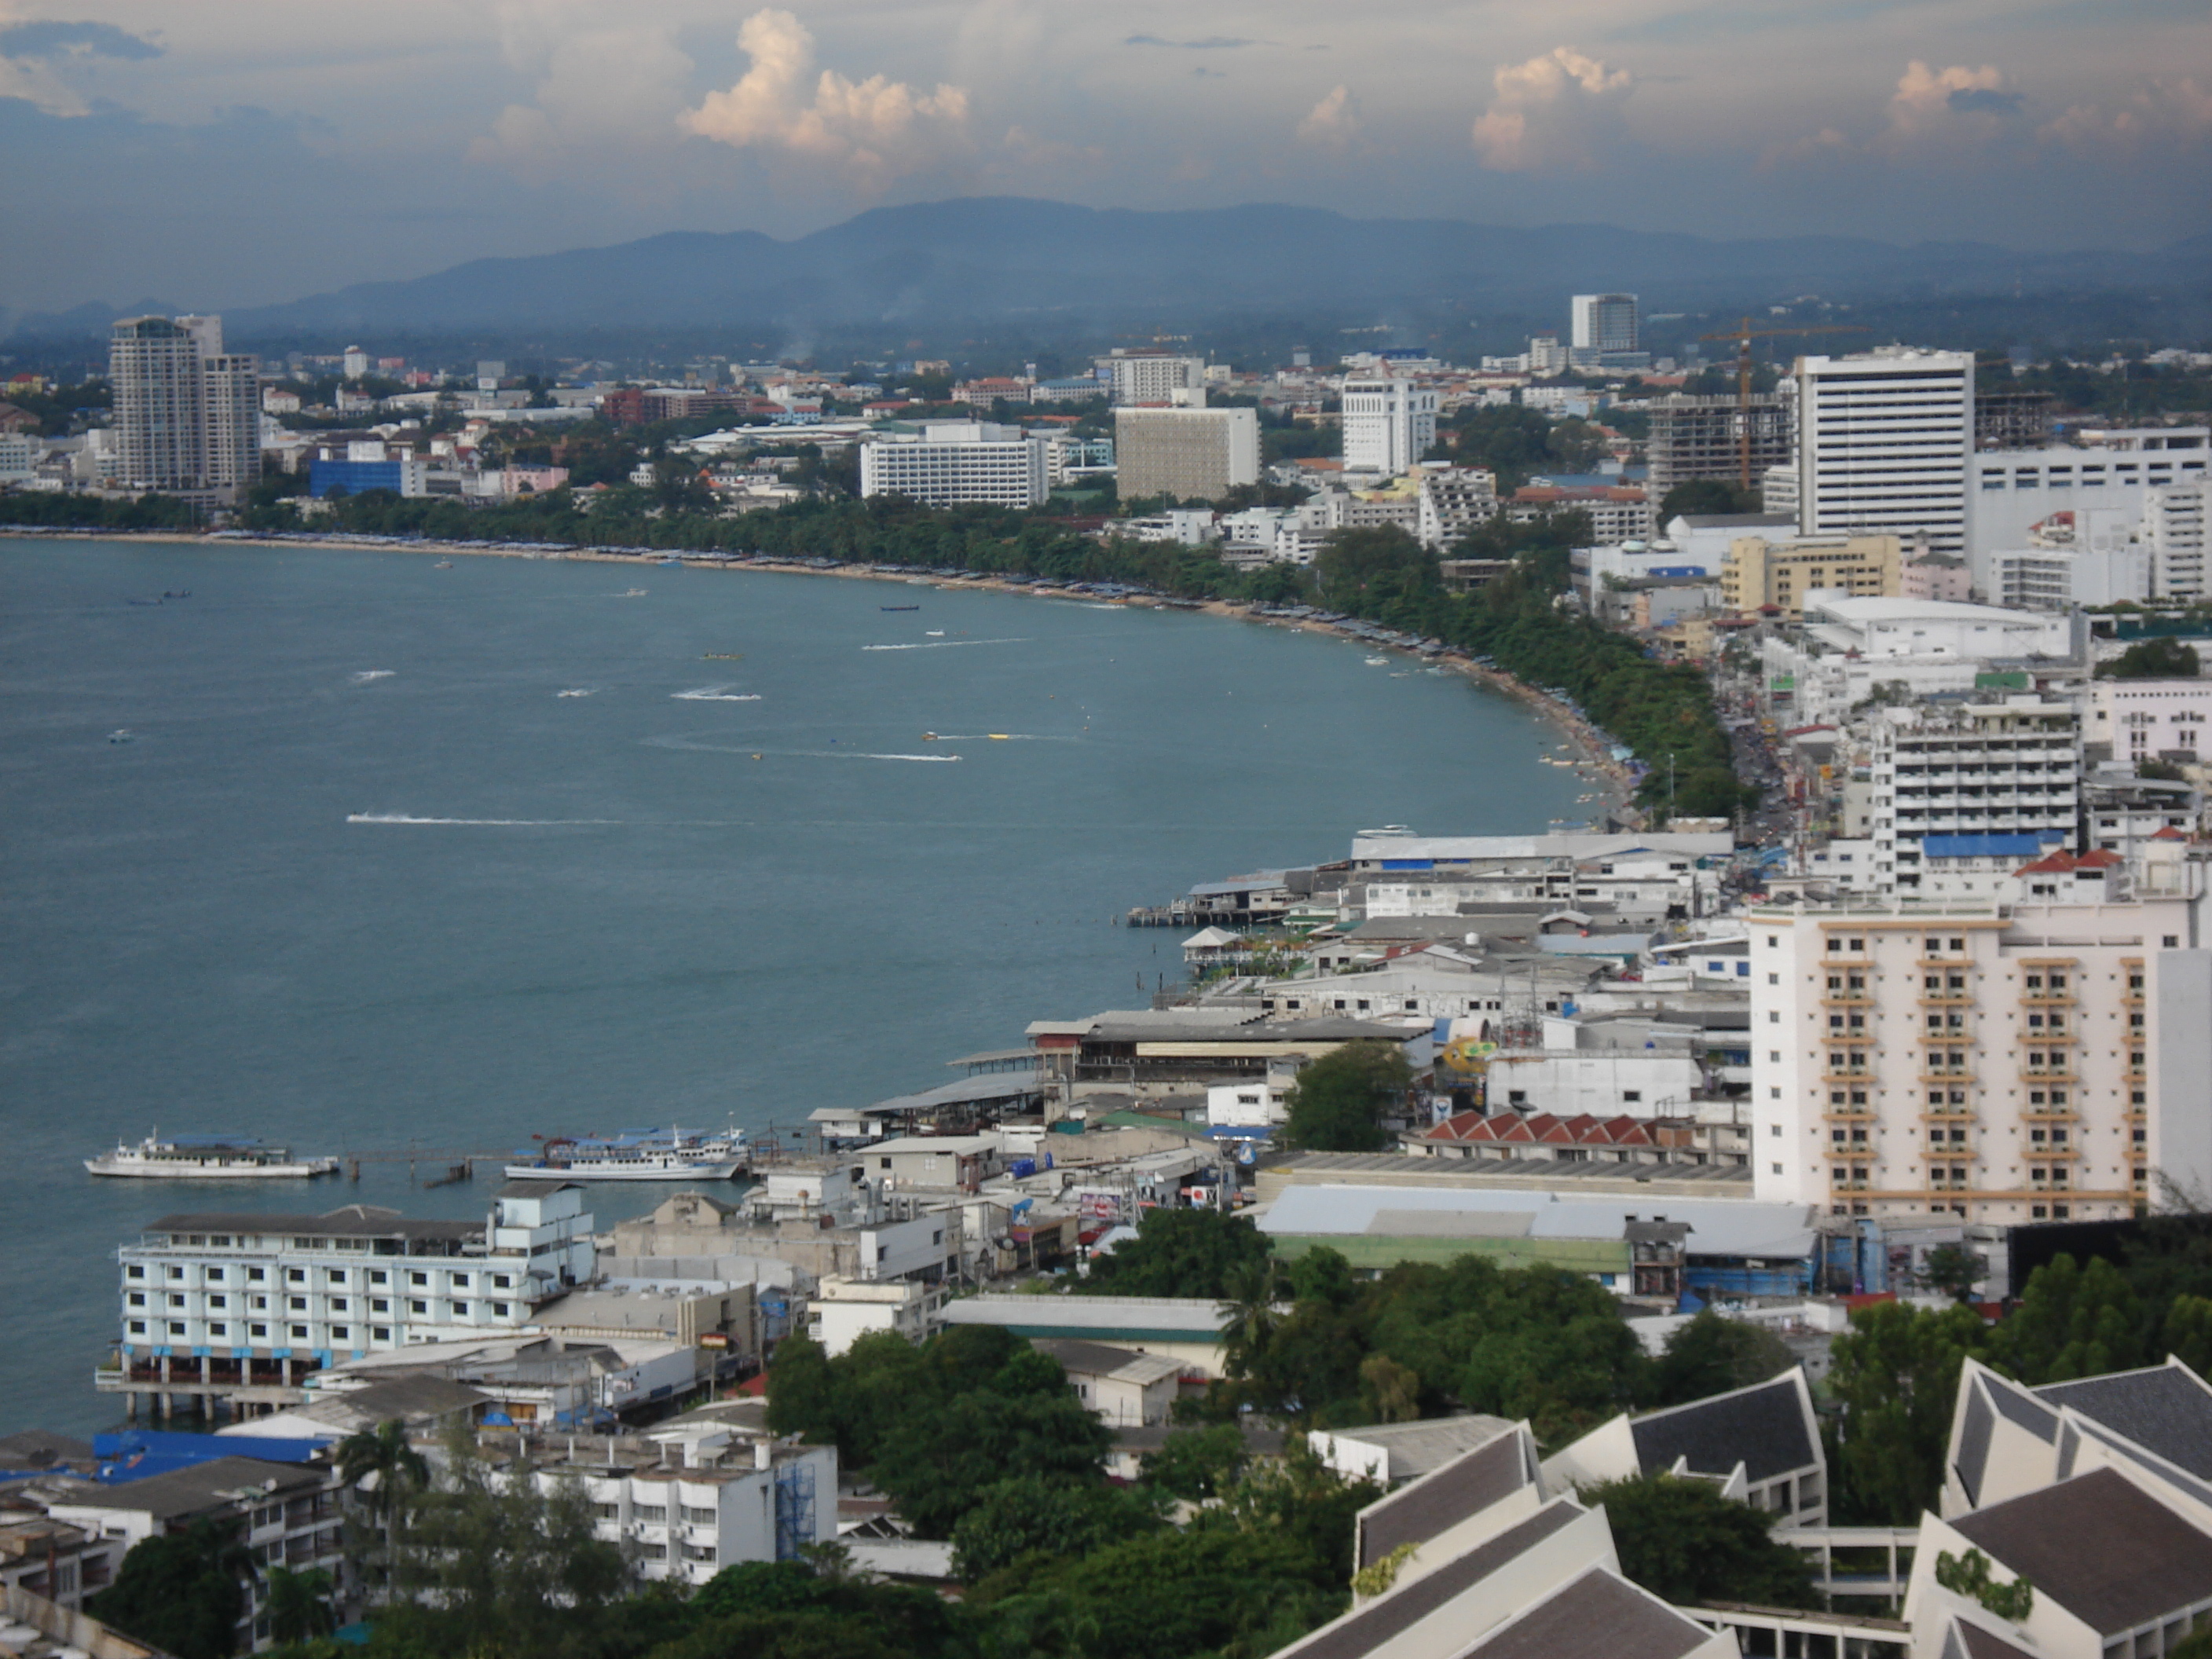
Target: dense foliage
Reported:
[(180, 1592), (1685, 1543), (1338, 1103), (1178, 1252), (2159, 658)]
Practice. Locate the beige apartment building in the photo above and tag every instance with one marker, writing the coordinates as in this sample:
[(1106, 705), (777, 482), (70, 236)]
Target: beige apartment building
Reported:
[(1759, 572), (2007, 1064), (1191, 455)]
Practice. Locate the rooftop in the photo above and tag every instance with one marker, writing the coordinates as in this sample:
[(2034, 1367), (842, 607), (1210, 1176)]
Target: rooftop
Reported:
[(1436, 1502), (349, 1221), (1076, 1355), (2099, 1546), (1413, 1450), (203, 1486), (1600, 1616), (1765, 1427), (2164, 1409)]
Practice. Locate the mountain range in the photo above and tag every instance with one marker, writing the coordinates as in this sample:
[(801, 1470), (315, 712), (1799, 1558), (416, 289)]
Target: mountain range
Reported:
[(1000, 257)]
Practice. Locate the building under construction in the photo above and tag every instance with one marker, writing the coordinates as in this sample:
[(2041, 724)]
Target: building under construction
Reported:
[(1694, 437)]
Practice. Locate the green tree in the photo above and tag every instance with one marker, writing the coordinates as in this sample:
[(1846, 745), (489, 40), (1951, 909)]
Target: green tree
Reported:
[(1337, 1103), (1955, 1270), (1177, 1253), (1298, 1497), (802, 1390), (1037, 1515), (1895, 1374), (2160, 658), (1696, 496), (298, 1605), (1711, 1355), (182, 1592), (2188, 1333), (2072, 1321), (940, 1461), (1686, 1544), (1389, 1392), (1197, 1464)]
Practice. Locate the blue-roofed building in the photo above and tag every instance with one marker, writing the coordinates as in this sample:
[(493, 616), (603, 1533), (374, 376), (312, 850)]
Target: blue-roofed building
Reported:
[(354, 467), (1982, 866)]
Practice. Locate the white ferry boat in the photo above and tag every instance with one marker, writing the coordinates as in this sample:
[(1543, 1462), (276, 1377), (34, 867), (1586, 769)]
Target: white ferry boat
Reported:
[(208, 1158), (637, 1155)]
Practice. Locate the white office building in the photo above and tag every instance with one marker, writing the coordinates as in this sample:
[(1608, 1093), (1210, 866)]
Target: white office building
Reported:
[(1389, 425), (2059, 578), (2116, 488), (187, 413), (1603, 322), (2012, 767), (1153, 377), (2150, 720), (2008, 1063), (220, 1305), (1885, 444), (954, 462)]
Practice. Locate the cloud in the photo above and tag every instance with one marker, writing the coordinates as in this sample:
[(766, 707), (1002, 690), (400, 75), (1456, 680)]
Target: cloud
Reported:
[(1334, 123), (1945, 104), (2170, 112), (50, 37), (873, 131), (1210, 43), (1549, 112), (600, 90)]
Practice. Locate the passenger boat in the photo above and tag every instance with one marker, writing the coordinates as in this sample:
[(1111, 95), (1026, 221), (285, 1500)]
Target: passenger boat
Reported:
[(206, 1158), (636, 1155)]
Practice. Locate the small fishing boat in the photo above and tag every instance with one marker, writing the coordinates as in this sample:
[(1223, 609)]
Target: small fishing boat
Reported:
[(443, 564), (1378, 662), (122, 734), (898, 607)]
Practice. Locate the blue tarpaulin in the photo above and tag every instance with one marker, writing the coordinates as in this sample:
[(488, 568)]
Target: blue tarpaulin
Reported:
[(137, 1453)]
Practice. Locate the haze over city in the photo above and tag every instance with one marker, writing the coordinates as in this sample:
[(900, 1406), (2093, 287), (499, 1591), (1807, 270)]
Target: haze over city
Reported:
[(253, 152)]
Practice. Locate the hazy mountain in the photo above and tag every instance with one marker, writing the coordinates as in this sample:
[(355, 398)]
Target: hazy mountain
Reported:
[(1003, 256)]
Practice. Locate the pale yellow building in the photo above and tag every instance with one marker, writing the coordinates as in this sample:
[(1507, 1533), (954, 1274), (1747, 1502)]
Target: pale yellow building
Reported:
[(1759, 572)]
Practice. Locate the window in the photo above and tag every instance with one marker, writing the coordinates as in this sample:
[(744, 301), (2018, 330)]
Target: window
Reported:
[(418, 1307), (176, 1328), (653, 1514), (460, 1281), (700, 1517), (378, 1276), (137, 1298), (218, 1302), (215, 1275), (380, 1332), (501, 1282), (296, 1275), (334, 1275), (418, 1279), (461, 1310), (138, 1325), (297, 1303), (1632, 1094), (133, 1273), (499, 1310), (300, 1332), (255, 1275), (341, 1334), (379, 1304)]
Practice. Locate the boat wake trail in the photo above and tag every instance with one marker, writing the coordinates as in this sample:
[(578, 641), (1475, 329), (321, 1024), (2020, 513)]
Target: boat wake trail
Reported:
[(368, 674), (482, 824), (939, 644), (1001, 736), (693, 745), (715, 694)]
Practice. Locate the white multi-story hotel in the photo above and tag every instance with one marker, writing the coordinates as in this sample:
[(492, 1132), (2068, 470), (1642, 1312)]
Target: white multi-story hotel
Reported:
[(1603, 322), (187, 414), (1389, 425), (958, 461), (1951, 769), (223, 1305), (1884, 445), (2036, 1061), (1153, 377)]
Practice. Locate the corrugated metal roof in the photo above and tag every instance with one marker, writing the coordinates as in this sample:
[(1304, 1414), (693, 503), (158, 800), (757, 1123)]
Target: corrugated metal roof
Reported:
[(1717, 1228)]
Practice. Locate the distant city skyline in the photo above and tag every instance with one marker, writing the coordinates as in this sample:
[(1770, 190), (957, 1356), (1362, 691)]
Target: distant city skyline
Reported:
[(250, 152)]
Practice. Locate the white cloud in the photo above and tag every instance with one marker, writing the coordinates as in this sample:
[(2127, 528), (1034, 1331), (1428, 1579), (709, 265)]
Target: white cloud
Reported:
[(2169, 111), (873, 131), (1549, 112), (599, 90), (1951, 104), (1334, 123)]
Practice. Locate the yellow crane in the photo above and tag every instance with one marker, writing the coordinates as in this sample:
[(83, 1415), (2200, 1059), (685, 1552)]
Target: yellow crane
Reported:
[(1743, 335)]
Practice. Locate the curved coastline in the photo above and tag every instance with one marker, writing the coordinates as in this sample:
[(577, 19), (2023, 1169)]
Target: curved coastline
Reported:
[(1615, 784)]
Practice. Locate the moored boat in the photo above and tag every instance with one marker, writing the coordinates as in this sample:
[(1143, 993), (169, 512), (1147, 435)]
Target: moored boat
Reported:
[(206, 1158), (636, 1155)]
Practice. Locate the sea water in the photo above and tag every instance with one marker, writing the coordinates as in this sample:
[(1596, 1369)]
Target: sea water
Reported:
[(355, 853)]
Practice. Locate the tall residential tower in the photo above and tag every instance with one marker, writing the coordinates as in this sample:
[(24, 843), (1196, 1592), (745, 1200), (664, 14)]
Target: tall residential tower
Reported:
[(1884, 444), (187, 414)]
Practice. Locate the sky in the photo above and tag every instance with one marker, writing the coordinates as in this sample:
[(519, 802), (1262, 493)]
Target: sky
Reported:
[(236, 152)]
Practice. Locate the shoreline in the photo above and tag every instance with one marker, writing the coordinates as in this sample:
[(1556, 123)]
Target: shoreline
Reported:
[(1611, 782)]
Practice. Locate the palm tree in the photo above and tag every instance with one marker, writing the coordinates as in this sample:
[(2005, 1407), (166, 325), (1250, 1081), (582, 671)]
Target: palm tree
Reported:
[(1249, 1317), (380, 1463), (298, 1605)]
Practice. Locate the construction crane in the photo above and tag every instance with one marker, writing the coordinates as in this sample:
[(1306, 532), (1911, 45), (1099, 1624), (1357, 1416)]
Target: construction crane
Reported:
[(1743, 335)]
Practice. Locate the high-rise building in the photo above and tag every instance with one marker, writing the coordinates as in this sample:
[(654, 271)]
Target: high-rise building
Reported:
[(1153, 377), (1885, 443), (187, 414), (958, 461), (1945, 769), (1192, 454), (1389, 425), (1694, 437), (2048, 1059), (1603, 322)]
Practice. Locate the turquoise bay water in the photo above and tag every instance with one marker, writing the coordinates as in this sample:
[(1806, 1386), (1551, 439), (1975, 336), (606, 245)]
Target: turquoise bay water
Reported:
[(587, 912)]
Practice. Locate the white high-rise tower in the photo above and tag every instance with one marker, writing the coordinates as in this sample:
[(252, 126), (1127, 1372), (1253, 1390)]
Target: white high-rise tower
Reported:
[(187, 414), (1885, 442)]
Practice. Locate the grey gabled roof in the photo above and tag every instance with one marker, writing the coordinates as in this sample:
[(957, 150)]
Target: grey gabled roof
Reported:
[(1365, 1628), (2164, 1409), (1597, 1616), (1444, 1497), (1762, 1427), (2099, 1546)]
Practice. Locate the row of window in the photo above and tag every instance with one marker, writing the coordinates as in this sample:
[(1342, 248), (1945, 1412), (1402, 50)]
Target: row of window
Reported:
[(337, 1304), (213, 1273)]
